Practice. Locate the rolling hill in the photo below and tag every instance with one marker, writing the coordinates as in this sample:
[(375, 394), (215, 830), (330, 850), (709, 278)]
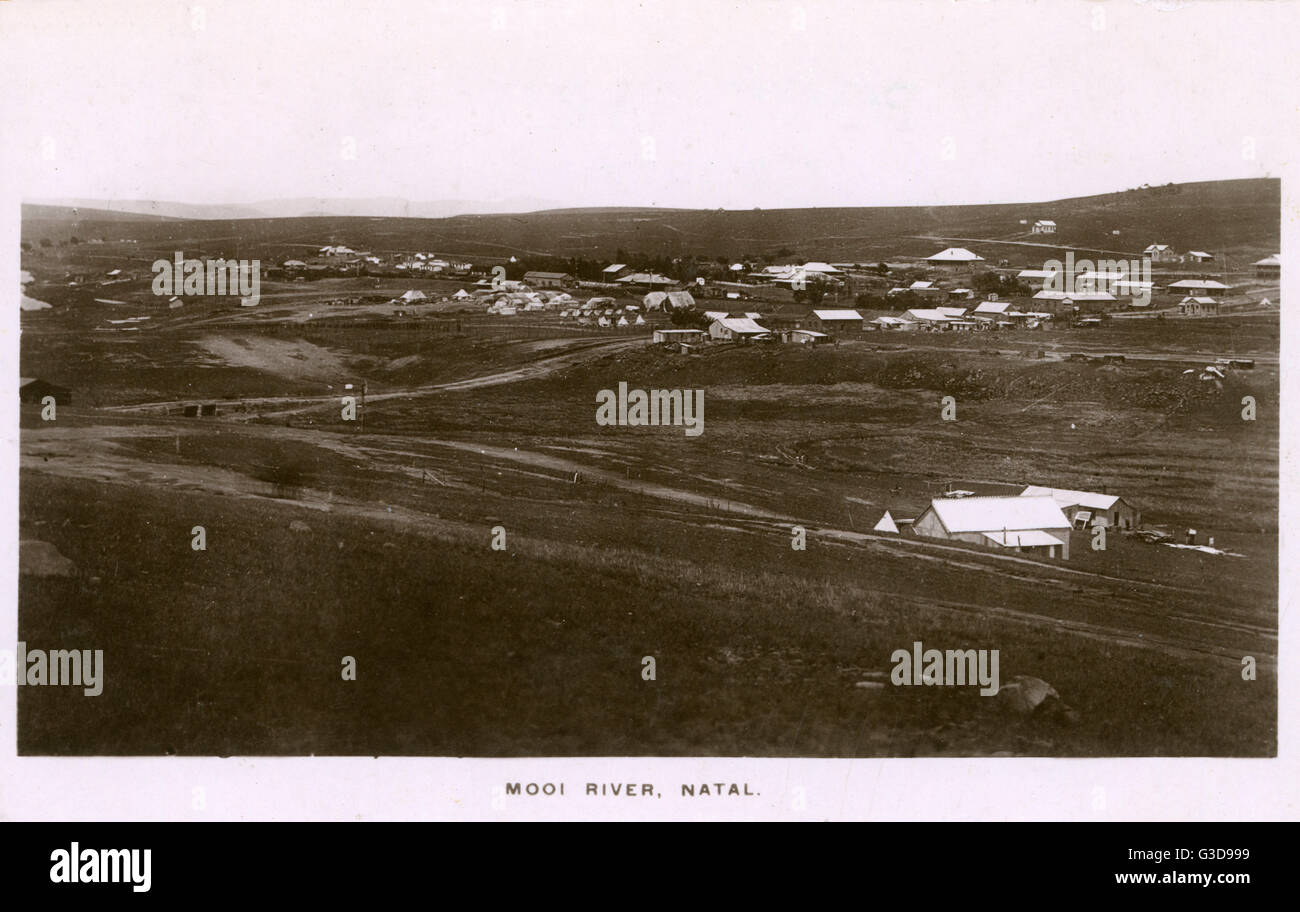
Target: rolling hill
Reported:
[(1240, 218)]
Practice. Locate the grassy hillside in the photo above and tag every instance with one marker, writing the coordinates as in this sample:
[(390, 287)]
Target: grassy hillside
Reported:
[(1239, 217)]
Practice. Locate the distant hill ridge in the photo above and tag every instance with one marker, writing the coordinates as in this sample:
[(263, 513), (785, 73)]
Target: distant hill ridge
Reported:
[(1234, 216)]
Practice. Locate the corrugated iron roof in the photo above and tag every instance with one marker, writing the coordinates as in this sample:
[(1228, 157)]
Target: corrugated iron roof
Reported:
[(993, 514), (1065, 497)]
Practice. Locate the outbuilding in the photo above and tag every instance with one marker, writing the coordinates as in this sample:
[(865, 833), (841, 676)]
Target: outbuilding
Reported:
[(1088, 508), (34, 389)]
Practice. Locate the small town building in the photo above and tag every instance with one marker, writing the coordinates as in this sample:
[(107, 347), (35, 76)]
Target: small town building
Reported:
[(1269, 268), (674, 336), (804, 337), (1191, 306), (836, 322), (1192, 286), (548, 279), (1034, 525), (735, 329), (1088, 508), (34, 389), (955, 258)]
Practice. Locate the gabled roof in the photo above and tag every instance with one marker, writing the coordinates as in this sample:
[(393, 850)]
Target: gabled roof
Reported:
[(1047, 295), (1065, 497), (995, 514), (645, 278), (1274, 260), (1200, 284), (614, 267), (955, 255), (546, 275), (1152, 248), (919, 285), (742, 325), (1045, 222), (928, 314), (837, 315), (1200, 253), (1198, 300), (992, 307)]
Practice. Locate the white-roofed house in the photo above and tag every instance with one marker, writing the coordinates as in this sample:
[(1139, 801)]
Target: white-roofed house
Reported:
[(1034, 525), (651, 280), (1088, 508), (927, 316), (955, 258), (1160, 253), (897, 324), (614, 271), (1200, 256), (1268, 268), (1043, 226), (804, 337), (1191, 286), (677, 335), (990, 310), (735, 329)]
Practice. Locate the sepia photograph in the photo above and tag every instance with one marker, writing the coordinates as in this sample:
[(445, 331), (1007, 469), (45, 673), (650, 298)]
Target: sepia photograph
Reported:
[(667, 380)]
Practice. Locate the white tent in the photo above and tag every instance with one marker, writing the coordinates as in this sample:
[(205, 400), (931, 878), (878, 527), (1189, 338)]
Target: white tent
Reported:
[(886, 524)]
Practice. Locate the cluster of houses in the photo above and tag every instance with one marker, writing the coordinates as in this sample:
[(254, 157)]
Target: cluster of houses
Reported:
[(1037, 521), (794, 324)]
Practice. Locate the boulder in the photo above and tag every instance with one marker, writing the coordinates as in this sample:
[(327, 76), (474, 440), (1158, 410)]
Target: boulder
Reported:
[(1024, 694)]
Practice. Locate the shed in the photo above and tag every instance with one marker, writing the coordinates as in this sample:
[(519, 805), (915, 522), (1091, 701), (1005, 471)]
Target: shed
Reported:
[(34, 389), (1103, 509)]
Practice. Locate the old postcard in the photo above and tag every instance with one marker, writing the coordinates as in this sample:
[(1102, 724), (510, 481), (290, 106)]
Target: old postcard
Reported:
[(572, 409)]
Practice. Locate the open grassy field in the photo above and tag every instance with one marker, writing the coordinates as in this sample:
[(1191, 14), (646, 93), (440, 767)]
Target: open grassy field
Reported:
[(624, 543)]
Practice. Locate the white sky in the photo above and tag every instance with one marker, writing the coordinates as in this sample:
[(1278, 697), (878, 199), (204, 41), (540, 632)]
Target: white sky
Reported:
[(698, 103)]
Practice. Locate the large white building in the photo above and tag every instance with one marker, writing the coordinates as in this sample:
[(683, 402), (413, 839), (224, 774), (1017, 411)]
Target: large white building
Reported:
[(1034, 525), (955, 258)]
